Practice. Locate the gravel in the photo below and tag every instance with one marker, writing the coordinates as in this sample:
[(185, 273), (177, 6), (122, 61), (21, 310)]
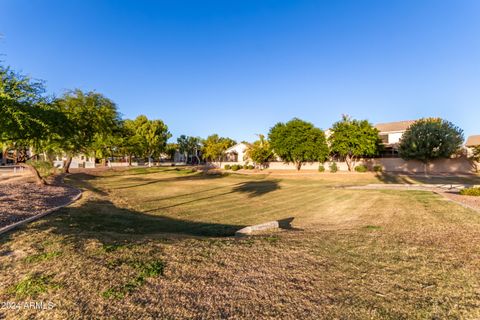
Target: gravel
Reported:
[(20, 200)]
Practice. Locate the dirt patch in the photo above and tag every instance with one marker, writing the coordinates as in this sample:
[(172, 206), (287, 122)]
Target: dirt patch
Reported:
[(470, 201), (22, 199)]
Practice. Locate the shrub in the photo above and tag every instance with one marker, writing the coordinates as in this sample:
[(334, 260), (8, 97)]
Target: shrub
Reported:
[(333, 167), (361, 168), (377, 168), (321, 168), (240, 166), (227, 167), (251, 167), (235, 167), (470, 192)]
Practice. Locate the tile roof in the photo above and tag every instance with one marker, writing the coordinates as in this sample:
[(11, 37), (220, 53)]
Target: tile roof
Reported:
[(473, 141), (394, 126)]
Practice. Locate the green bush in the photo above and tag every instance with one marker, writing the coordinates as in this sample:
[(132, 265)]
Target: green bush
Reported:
[(377, 168), (361, 168), (227, 167), (235, 167), (321, 168), (470, 192), (333, 167), (251, 167)]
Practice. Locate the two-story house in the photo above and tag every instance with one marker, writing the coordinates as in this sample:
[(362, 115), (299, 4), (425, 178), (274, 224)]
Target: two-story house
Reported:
[(391, 133)]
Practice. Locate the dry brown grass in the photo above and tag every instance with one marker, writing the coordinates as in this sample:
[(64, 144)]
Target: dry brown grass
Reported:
[(355, 254)]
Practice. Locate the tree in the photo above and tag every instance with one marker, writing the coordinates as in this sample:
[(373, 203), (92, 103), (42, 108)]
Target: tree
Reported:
[(429, 139), (298, 141), (95, 122), (28, 122), (214, 147), (352, 139), (260, 151), (130, 141), (189, 146), (152, 136), (476, 157)]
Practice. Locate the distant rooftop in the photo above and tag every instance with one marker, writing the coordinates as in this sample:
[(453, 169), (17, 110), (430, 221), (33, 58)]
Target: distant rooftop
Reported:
[(394, 126), (473, 141)]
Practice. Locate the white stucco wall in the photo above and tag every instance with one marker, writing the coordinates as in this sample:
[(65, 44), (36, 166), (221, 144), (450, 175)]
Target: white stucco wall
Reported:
[(394, 137)]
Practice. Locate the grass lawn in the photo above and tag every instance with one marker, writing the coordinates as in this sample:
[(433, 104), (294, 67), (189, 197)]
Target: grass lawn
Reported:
[(156, 243)]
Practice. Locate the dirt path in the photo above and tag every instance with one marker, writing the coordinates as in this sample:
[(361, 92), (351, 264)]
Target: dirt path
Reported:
[(21, 199)]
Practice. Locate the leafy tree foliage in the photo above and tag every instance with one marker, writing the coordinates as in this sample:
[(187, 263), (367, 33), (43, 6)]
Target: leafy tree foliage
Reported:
[(28, 122), (214, 147), (260, 151), (429, 139), (298, 141), (151, 136), (352, 139), (190, 146), (95, 123)]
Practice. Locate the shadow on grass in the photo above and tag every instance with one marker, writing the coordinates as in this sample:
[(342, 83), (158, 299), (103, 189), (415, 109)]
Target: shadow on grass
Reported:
[(257, 188), (189, 177), (104, 221), (252, 188), (392, 178)]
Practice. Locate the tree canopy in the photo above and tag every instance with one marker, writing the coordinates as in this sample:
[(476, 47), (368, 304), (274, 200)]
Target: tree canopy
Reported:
[(214, 147), (152, 136), (260, 151), (299, 142), (429, 139), (95, 123), (352, 139), (189, 146), (28, 121)]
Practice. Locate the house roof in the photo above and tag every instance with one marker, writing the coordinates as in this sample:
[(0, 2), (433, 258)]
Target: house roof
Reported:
[(234, 148), (394, 126), (473, 141)]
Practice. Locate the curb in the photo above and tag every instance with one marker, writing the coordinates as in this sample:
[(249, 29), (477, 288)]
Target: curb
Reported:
[(43, 214)]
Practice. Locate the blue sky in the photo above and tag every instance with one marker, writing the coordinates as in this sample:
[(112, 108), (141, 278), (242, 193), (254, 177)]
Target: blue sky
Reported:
[(237, 67)]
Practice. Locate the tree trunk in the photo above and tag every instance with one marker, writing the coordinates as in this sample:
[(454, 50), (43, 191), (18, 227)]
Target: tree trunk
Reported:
[(129, 160), (36, 175), (425, 168), (67, 164), (149, 161), (348, 161), (299, 166)]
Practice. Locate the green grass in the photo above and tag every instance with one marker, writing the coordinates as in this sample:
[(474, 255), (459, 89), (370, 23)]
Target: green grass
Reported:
[(32, 285), (157, 243)]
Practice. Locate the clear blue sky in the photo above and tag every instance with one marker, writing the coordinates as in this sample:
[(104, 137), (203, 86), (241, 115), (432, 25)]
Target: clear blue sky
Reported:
[(236, 67)]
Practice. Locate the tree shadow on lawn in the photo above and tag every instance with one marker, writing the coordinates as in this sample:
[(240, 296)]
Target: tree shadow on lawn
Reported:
[(102, 220), (189, 177), (251, 188)]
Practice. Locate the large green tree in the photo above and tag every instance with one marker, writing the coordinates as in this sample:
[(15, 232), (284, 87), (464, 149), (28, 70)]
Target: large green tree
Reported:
[(28, 121), (214, 147), (351, 139), (260, 151), (429, 139), (298, 141), (152, 136), (95, 120)]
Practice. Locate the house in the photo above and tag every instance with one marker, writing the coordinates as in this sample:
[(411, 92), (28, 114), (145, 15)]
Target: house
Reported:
[(78, 161), (391, 133), (236, 153), (471, 143)]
